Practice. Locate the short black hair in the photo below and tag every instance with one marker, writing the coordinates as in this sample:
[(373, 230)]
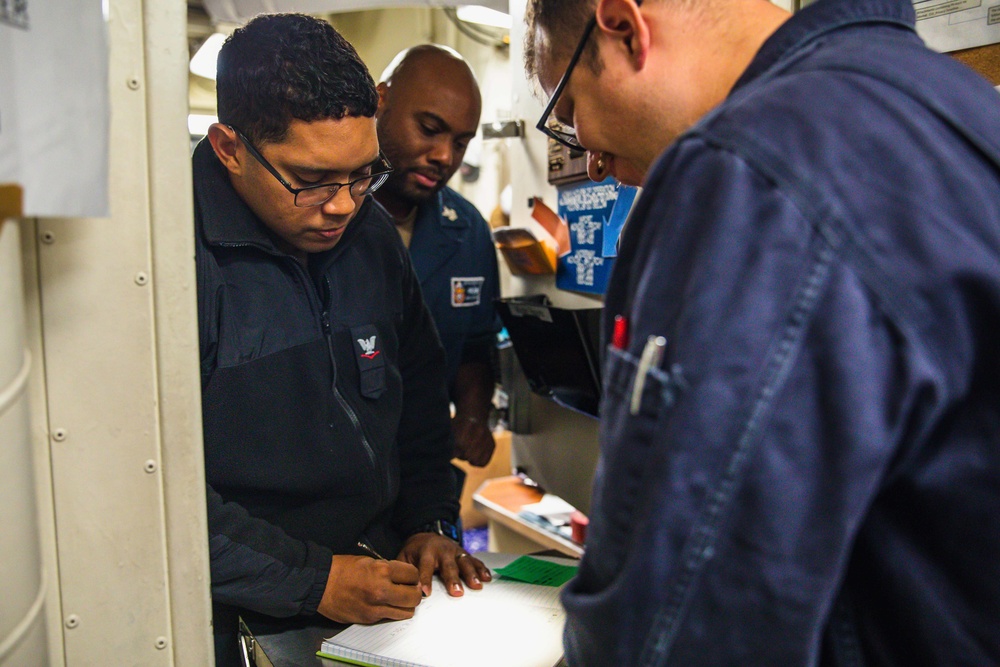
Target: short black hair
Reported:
[(563, 22), (283, 66)]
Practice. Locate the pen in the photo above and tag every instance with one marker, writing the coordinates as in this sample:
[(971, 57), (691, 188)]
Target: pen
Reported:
[(619, 336), (363, 543), (652, 355)]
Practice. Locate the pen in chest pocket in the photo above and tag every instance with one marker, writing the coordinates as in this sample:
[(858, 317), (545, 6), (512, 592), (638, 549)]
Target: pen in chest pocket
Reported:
[(619, 335), (652, 355)]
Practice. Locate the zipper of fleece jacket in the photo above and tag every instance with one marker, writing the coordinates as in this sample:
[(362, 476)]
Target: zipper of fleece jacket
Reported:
[(327, 333), (310, 288)]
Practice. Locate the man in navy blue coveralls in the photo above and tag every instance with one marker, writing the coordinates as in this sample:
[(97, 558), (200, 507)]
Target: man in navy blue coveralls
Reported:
[(800, 427), (429, 106)]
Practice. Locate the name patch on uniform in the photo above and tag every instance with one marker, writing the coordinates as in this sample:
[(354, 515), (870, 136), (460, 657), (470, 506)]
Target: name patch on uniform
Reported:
[(466, 292)]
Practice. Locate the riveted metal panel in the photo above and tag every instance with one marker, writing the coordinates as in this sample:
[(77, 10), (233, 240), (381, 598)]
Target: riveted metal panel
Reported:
[(117, 327)]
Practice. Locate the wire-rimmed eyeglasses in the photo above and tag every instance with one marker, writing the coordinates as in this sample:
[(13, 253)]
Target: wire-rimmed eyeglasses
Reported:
[(317, 195), (564, 134)]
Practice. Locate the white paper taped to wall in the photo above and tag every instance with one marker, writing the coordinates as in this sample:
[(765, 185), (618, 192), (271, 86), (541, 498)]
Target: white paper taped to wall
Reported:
[(54, 108), (950, 25)]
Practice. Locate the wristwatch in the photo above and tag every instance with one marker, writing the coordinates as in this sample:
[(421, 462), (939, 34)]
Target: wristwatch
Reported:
[(441, 527)]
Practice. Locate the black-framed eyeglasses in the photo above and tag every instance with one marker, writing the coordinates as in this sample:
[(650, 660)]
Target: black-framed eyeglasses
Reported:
[(317, 195), (564, 134)]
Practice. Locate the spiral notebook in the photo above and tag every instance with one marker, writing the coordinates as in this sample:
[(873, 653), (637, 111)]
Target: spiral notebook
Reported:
[(508, 623)]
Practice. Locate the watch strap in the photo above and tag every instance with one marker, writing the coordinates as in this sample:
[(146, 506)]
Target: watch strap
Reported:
[(441, 527)]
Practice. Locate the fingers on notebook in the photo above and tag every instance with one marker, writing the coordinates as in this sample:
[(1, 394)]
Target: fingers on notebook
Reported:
[(426, 576), (394, 595), (395, 585), (436, 550), (450, 577), (402, 573), (473, 572)]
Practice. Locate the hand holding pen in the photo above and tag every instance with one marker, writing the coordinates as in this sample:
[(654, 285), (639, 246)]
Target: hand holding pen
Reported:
[(368, 589)]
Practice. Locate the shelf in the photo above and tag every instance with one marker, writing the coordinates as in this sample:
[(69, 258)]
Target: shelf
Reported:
[(501, 499)]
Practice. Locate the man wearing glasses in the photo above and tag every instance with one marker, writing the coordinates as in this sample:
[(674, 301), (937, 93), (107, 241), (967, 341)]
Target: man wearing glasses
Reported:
[(326, 424), (800, 429)]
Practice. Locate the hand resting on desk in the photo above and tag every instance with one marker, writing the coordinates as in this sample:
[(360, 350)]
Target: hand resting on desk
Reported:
[(433, 553), (361, 589)]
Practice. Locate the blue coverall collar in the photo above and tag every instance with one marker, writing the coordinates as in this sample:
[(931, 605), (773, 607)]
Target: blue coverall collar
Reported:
[(822, 17)]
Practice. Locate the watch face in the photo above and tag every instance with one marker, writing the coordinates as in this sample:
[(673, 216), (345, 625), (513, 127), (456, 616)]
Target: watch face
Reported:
[(448, 530)]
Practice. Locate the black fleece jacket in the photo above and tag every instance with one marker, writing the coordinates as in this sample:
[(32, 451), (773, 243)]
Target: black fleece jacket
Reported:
[(323, 397)]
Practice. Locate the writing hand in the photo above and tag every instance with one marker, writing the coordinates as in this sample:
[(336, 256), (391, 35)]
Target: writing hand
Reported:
[(366, 590), (473, 440), (433, 553)]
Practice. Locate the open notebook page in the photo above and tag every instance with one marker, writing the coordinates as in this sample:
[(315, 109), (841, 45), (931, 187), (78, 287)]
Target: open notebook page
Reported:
[(506, 624)]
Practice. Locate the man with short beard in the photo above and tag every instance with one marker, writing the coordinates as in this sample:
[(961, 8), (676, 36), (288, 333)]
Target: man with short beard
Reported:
[(429, 106)]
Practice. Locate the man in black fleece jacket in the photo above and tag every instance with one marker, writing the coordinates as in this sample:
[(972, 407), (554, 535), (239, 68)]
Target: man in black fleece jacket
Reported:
[(326, 422)]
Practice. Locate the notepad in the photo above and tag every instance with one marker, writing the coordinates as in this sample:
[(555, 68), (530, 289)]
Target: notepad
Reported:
[(506, 624)]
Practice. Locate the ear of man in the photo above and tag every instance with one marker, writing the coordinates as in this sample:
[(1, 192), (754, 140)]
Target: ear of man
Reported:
[(224, 143), (623, 23), (383, 97)]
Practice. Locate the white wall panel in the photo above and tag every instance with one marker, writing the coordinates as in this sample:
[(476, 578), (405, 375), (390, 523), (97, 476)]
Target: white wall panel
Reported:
[(171, 208), (22, 583)]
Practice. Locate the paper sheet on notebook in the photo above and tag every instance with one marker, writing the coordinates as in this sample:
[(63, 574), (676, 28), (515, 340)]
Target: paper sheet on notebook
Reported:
[(507, 624)]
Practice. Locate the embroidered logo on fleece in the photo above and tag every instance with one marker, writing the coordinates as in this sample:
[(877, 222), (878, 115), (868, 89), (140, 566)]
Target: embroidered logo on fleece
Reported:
[(450, 213), (466, 292), (368, 350)]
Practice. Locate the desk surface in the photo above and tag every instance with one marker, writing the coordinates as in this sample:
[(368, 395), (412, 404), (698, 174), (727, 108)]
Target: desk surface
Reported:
[(501, 499), (296, 648)]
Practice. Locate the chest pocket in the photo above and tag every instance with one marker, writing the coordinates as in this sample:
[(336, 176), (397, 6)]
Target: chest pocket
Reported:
[(371, 361), (631, 414)]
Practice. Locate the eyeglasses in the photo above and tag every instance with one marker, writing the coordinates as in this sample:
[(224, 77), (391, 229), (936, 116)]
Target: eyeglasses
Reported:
[(565, 134), (317, 195)]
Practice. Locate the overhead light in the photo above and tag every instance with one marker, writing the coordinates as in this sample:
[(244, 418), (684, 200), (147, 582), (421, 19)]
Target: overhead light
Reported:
[(484, 16), (204, 60)]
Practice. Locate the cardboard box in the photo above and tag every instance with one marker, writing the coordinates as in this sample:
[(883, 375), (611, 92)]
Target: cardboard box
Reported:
[(499, 466)]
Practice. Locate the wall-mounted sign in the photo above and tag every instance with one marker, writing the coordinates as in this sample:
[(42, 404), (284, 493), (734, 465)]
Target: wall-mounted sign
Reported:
[(595, 213)]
